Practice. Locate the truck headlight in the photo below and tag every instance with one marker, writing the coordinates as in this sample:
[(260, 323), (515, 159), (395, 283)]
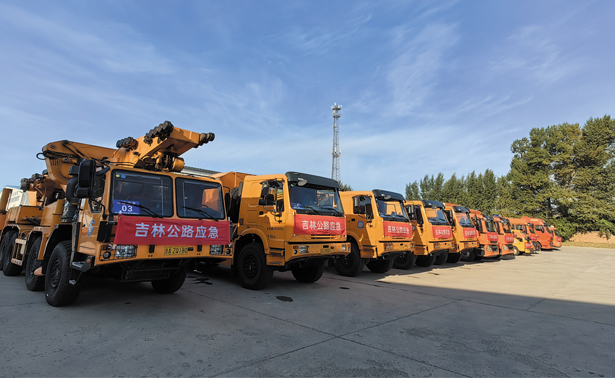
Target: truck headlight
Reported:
[(303, 249), (343, 247), (125, 251), (216, 249)]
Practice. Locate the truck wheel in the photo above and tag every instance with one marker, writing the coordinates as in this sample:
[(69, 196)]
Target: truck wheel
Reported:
[(453, 257), (34, 283), (426, 260), (58, 290), (252, 268), (516, 251), (171, 284), (440, 259), (10, 269), (350, 265), (478, 258), (308, 275), (405, 261), (380, 265), (4, 245), (468, 255)]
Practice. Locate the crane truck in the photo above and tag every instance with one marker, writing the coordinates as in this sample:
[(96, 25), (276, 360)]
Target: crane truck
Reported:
[(433, 239), (122, 213), (292, 221), (377, 237), (464, 232)]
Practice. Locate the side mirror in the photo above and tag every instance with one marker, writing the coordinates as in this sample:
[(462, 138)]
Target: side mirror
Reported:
[(86, 173)]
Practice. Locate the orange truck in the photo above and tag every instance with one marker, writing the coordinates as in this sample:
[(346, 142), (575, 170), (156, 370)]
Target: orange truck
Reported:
[(123, 213), (522, 243), (464, 232), (433, 236), (544, 236), (378, 229), (292, 221), (505, 235), (487, 238), (557, 241)]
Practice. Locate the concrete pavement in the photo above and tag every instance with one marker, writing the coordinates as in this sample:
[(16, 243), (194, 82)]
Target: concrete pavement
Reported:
[(550, 314)]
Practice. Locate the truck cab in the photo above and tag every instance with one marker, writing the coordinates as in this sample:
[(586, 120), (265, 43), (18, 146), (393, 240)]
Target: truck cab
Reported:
[(293, 221), (487, 238), (534, 238), (557, 241), (505, 236), (378, 229), (464, 232), (522, 243), (433, 237), (544, 236)]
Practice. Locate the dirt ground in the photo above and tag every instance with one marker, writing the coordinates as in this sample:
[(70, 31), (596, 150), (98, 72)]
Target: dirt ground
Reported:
[(591, 237)]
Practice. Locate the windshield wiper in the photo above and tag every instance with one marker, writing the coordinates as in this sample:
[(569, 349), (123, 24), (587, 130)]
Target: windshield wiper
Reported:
[(200, 211), (314, 211), (332, 209), (147, 209)]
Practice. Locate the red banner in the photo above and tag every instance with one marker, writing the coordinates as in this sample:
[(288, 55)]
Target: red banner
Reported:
[(165, 231), (397, 229), (441, 232), (319, 225), (533, 237), (469, 233), (528, 245), (492, 236), (509, 239)]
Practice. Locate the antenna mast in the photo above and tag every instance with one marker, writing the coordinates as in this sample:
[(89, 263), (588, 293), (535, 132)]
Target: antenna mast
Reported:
[(336, 150)]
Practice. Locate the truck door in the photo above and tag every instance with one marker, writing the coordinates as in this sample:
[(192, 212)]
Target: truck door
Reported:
[(271, 219)]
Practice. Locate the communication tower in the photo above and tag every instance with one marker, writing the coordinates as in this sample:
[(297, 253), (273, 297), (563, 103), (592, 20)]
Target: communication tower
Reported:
[(336, 150)]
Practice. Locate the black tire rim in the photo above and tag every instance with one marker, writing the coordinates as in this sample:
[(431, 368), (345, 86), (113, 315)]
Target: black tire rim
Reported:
[(250, 267), (56, 273), (346, 262)]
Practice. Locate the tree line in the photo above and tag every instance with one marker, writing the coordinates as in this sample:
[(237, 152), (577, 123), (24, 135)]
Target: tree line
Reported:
[(563, 174)]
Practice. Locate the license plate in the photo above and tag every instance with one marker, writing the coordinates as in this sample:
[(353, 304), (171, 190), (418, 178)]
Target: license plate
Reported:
[(325, 251), (171, 251)]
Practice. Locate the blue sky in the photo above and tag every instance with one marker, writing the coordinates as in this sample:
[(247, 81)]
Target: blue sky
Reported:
[(425, 86)]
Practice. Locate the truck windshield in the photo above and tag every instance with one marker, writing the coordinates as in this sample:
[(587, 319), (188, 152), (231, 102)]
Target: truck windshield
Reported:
[(199, 199), (392, 211), (506, 226), (489, 225), (531, 228), (141, 194), (436, 216), (309, 199), (464, 220), (539, 228)]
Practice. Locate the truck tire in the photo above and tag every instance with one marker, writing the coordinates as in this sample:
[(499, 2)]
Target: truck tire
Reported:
[(252, 269), (8, 268), (380, 265), (405, 261), (310, 274), (171, 284), (58, 290), (350, 265), (469, 255), (516, 251), (453, 257), (425, 260), (440, 259), (34, 283), (4, 245), (478, 258)]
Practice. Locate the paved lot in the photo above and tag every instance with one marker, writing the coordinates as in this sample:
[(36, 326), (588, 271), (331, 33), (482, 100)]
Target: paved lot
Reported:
[(551, 314)]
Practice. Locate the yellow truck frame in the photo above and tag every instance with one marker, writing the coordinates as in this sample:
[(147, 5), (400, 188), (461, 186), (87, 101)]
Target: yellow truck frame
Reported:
[(292, 221), (123, 213), (378, 229), (433, 237)]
